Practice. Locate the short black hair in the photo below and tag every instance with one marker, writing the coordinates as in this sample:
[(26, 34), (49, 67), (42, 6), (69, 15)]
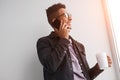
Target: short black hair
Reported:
[(53, 9)]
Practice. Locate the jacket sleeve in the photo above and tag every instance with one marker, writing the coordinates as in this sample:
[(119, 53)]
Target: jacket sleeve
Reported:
[(95, 71), (51, 57)]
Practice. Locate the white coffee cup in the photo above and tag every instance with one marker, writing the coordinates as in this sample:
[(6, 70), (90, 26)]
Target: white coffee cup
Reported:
[(102, 60)]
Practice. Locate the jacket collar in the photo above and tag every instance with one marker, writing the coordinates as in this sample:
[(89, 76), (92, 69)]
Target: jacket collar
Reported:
[(53, 35)]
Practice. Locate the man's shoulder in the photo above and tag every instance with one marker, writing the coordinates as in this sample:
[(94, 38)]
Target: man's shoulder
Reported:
[(79, 43), (51, 35), (44, 38)]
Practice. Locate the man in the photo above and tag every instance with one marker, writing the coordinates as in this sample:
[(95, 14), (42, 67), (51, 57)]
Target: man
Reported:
[(62, 57)]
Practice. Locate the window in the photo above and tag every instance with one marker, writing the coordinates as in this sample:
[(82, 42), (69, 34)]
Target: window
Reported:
[(112, 17), (115, 16)]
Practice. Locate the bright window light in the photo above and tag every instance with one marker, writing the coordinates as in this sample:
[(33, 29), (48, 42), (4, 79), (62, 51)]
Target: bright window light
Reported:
[(114, 6), (112, 17)]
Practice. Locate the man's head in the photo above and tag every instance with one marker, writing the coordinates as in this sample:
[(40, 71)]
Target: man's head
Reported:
[(58, 11)]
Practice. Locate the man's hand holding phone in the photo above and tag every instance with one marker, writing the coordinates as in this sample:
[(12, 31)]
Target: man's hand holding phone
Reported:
[(63, 30)]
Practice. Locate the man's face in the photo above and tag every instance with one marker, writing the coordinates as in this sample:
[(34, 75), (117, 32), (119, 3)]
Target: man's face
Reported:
[(64, 16)]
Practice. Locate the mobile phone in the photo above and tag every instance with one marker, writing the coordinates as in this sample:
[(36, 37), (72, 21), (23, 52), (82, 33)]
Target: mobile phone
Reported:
[(56, 23)]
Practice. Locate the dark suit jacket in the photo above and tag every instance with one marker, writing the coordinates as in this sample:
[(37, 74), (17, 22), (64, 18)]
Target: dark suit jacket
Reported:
[(54, 55)]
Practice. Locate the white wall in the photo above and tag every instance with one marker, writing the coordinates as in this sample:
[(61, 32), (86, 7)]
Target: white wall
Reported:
[(22, 22)]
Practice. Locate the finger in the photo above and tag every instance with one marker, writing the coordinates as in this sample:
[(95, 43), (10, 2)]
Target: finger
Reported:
[(109, 61), (56, 29), (65, 26), (61, 25), (109, 65)]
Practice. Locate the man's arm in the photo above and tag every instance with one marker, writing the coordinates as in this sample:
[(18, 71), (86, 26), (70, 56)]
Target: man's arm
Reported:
[(95, 71), (51, 57)]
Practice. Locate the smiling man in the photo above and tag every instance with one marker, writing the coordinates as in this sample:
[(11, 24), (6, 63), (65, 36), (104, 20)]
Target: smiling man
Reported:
[(62, 57)]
